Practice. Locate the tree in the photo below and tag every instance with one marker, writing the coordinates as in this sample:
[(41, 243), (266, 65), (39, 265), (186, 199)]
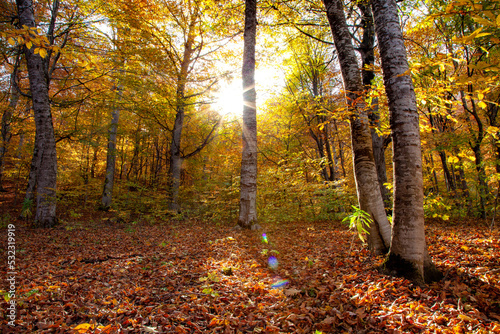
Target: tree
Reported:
[(46, 162), (248, 182), (367, 184), (171, 44), (107, 194), (379, 142), (408, 253), (7, 118)]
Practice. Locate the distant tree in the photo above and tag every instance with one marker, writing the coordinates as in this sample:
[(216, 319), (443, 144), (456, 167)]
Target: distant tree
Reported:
[(248, 182), (107, 194)]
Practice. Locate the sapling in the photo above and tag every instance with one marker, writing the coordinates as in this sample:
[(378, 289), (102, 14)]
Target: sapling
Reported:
[(358, 220)]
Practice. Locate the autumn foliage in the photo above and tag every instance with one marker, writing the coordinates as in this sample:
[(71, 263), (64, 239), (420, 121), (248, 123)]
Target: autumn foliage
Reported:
[(96, 275), (166, 257)]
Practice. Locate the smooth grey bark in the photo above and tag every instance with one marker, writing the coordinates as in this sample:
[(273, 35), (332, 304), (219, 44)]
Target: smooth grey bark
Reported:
[(408, 255), (107, 193), (367, 51), (46, 162), (175, 147), (248, 182), (365, 172), (6, 120)]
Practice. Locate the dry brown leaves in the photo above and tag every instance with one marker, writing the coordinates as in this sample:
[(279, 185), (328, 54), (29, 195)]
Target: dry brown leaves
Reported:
[(191, 277)]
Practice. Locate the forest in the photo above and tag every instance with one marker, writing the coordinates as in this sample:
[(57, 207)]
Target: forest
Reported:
[(271, 166)]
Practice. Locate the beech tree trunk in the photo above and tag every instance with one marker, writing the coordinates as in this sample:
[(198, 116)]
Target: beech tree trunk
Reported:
[(408, 255), (175, 147), (367, 50), (365, 172), (46, 162), (6, 119), (107, 193), (248, 182)]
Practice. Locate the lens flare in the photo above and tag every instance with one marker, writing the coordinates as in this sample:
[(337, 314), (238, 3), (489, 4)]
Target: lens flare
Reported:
[(279, 283), (264, 238), (273, 262)]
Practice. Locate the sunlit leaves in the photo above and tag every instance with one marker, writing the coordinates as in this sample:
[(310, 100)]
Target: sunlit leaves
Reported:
[(340, 291)]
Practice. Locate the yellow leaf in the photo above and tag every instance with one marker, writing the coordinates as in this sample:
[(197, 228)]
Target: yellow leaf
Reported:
[(83, 328), (483, 21), (29, 44), (11, 41), (37, 50), (498, 21), (465, 317), (43, 53), (481, 104), (482, 34), (480, 96), (492, 129)]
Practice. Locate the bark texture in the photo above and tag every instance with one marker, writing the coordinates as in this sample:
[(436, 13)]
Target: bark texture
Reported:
[(175, 147), (408, 254), (367, 185), (6, 120), (46, 161), (248, 184), (107, 193), (367, 50)]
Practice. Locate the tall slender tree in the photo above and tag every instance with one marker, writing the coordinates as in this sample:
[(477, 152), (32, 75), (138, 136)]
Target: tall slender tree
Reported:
[(367, 185), (367, 50), (7, 119), (107, 194), (408, 253), (248, 181), (180, 105), (46, 161)]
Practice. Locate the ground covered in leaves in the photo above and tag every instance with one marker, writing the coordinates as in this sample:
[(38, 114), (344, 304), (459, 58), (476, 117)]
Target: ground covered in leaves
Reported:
[(106, 275)]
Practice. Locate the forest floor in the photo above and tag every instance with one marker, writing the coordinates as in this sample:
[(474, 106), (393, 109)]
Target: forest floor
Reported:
[(97, 274)]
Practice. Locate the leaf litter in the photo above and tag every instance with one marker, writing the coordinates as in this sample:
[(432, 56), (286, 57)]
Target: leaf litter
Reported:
[(194, 277)]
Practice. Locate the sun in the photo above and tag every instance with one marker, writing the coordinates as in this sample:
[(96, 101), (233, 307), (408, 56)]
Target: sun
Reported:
[(229, 99)]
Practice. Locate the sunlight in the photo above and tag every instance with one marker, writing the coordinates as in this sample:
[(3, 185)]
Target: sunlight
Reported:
[(229, 101)]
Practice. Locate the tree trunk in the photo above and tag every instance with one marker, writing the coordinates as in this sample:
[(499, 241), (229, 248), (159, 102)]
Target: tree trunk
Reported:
[(367, 52), (248, 182), (31, 186), (481, 176), (329, 155), (107, 192), (450, 183), (175, 148), (46, 171), (408, 254), (367, 185), (6, 119), (341, 149), (176, 161), (476, 147)]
